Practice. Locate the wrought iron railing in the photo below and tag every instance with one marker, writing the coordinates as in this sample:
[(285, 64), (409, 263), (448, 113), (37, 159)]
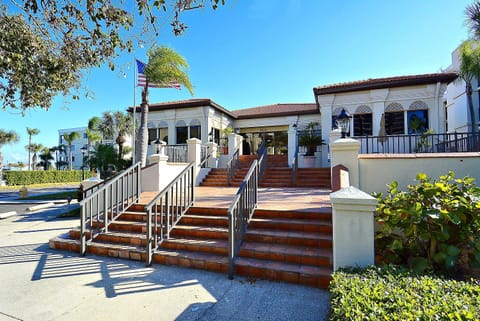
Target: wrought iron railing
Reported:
[(420, 143), (167, 208), (240, 213), (177, 153), (232, 165), (106, 201)]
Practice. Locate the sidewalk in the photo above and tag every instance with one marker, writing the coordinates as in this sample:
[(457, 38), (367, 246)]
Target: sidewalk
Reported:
[(43, 284)]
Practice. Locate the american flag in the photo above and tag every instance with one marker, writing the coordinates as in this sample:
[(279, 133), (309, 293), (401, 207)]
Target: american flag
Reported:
[(142, 79)]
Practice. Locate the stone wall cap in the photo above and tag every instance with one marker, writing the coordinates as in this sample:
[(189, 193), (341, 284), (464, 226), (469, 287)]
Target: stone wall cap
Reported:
[(352, 194)]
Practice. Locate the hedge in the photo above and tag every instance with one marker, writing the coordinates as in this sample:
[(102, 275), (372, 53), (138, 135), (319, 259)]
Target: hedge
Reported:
[(42, 177), (394, 293)]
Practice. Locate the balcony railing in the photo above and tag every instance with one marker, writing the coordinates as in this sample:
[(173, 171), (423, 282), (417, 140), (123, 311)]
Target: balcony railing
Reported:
[(177, 153), (420, 143)]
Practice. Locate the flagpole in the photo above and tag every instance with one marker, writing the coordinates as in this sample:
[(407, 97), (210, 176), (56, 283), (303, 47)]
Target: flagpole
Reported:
[(134, 112)]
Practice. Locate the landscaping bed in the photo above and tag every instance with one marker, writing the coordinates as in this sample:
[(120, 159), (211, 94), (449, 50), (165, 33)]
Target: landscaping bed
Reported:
[(395, 293)]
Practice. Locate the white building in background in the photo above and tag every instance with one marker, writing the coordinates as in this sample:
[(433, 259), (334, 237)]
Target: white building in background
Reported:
[(77, 145), (458, 116)]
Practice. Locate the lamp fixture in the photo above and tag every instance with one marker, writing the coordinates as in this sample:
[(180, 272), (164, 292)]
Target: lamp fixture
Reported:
[(343, 122)]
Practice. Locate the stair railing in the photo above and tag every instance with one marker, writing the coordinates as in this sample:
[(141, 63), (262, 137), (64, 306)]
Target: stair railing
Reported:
[(232, 165), (106, 202), (262, 159), (167, 208), (205, 155), (240, 213), (295, 166)]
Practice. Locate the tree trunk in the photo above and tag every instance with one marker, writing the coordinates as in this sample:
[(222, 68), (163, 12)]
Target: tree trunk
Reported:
[(468, 90), (70, 156), (120, 141), (143, 130)]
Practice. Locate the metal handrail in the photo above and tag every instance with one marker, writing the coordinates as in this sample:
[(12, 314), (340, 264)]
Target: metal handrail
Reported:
[(205, 155), (107, 203), (240, 213), (420, 143), (295, 166), (167, 208), (262, 159), (232, 165)]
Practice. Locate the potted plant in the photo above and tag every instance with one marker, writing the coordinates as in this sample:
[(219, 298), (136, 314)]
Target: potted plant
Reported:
[(310, 138)]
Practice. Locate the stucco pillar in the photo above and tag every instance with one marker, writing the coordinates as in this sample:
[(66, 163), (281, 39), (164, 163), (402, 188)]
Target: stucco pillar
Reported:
[(234, 142), (212, 161), (194, 154), (353, 228), (344, 151), (159, 157), (292, 144)]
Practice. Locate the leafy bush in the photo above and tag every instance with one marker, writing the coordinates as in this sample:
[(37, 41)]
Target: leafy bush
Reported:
[(41, 177), (393, 293), (433, 225)]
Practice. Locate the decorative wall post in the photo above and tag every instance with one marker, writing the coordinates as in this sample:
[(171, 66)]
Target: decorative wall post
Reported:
[(344, 152), (292, 144), (234, 142), (194, 154), (353, 228), (212, 161)]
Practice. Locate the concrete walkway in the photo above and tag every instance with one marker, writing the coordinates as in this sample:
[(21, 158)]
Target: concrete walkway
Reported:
[(43, 284)]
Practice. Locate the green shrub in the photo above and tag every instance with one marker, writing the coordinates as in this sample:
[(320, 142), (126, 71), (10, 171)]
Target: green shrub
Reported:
[(392, 293), (435, 224), (41, 177)]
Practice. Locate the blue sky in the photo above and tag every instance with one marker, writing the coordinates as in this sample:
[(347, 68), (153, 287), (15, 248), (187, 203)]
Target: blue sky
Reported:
[(258, 52)]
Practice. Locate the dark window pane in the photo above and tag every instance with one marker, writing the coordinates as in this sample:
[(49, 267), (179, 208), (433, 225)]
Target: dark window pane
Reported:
[(394, 123), (152, 135), (417, 121), (182, 135), (362, 124), (195, 132)]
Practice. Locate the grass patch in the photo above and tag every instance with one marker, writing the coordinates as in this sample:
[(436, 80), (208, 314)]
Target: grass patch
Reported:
[(53, 196), (75, 212)]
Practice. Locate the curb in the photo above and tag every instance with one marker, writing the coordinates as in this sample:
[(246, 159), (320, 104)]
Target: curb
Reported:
[(39, 207), (7, 214)]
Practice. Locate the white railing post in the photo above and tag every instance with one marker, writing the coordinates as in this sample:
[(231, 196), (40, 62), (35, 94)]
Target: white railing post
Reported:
[(353, 228), (344, 151), (212, 160), (195, 154)]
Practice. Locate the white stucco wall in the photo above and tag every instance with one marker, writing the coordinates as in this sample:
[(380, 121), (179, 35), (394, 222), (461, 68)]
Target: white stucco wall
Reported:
[(376, 171)]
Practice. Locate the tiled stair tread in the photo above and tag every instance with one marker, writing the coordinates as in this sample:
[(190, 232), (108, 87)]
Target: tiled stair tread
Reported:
[(222, 259), (290, 221), (281, 233), (285, 249), (283, 266), (116, 246), (200, 228), (198, 241), (324, 213), (207, 211), (208, 218), (125, 234)]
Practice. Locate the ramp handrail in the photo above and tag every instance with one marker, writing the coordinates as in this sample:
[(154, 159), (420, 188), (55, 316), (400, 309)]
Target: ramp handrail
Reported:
[(106, 202), (232, 165), (167, 208), (240, 212)]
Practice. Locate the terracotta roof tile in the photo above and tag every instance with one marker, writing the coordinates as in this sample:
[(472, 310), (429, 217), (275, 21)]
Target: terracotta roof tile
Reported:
[(276, 110), (379, 83)]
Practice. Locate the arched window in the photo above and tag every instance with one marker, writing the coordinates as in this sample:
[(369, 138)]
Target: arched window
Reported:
[(394, 119), (157, 131), (417, 117), (362, 121)]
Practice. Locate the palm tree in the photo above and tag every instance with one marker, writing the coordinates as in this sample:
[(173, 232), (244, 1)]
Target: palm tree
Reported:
[(116, 124), (35, 148), (46, 157), (6, 137), (469, 70), (31, 132), (69, 138), (472, 13), (93, 134), (165, 66)]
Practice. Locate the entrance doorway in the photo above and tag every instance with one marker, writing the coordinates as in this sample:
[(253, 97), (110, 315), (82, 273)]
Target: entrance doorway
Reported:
[(276, 139)]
